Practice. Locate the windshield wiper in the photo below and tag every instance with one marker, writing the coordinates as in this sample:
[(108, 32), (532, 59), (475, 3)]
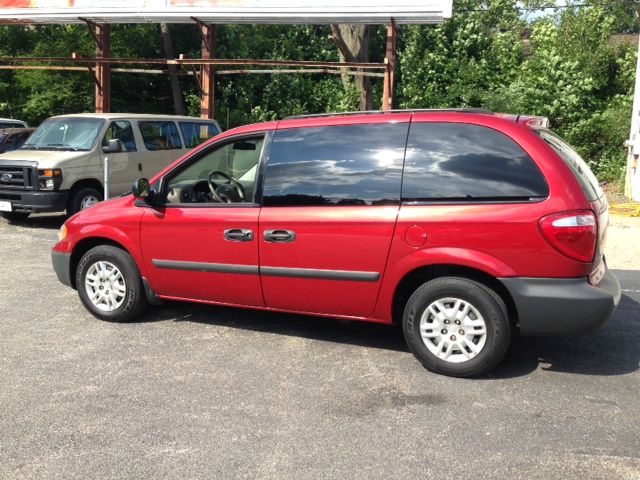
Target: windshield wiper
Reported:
[(29, 146), (65, 146)]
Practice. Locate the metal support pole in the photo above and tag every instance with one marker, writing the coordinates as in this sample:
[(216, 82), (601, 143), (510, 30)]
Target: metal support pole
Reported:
[(390, 63), (632, 180), (103, 70), (207, 83), (106, 180)]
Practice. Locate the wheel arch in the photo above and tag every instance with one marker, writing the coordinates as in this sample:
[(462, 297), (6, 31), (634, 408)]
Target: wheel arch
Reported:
[(418, 276), (87, 182), (83, 247)]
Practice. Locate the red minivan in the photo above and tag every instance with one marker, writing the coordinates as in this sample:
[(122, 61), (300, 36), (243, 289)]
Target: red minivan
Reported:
[(462, 225)]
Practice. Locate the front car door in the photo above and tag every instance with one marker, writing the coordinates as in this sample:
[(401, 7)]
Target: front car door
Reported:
[(330, 201), (123, 169), (195, 245)]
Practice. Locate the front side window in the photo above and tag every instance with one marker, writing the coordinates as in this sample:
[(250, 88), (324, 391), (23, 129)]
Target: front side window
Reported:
[(121, 130), (70, 133), (160, 135), (195, 133), (336, 165), (225, 174), (463, 162)]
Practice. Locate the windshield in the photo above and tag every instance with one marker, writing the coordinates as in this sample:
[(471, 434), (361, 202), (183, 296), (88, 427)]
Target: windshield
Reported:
[(65, 134)]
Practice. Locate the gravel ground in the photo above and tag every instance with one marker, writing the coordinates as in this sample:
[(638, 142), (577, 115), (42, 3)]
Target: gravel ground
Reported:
[(192, 391), (622, 244)]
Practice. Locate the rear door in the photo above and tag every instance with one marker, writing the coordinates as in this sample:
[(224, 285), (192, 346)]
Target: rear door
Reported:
[(330, 201)]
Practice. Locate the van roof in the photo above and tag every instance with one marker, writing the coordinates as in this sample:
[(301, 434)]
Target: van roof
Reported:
[(134, 116), (531, 121)]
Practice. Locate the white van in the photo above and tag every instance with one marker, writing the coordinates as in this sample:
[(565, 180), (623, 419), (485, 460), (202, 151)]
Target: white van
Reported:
[(61, 166)]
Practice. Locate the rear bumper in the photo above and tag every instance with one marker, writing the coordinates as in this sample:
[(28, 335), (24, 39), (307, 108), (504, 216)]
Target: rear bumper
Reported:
[(559, 306), (35, 201)]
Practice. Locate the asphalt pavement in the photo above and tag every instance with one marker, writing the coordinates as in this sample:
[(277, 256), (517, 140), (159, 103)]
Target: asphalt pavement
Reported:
[(193, 391)]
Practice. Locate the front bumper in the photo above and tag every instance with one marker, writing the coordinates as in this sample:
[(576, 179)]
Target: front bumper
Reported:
[(35, 201), (62, 266), (559, 306)]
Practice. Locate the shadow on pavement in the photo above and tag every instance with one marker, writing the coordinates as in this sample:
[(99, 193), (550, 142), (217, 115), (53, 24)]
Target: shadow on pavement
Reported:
[(613, 350), (304, 326), (48, 222)]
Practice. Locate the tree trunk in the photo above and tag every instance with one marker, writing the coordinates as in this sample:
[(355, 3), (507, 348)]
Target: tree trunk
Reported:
[(353, 46), (178, 102)]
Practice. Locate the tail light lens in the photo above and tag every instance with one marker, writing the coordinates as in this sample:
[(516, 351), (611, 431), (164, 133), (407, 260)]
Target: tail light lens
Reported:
[(573, 234)]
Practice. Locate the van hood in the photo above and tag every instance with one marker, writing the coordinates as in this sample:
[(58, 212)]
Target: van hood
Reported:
[(45, 158)]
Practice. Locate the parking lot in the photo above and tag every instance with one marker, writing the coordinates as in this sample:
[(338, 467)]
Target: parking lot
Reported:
[(193, 391)]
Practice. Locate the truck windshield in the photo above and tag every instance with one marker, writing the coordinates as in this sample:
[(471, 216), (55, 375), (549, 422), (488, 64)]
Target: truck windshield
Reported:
[(74, 134)]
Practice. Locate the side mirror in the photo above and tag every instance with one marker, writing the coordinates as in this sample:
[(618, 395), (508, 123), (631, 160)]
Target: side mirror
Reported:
[(113, 146), (142, 190)]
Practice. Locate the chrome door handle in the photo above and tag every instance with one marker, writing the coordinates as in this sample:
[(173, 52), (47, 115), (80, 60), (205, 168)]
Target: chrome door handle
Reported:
[(279, 236), (238, 235)]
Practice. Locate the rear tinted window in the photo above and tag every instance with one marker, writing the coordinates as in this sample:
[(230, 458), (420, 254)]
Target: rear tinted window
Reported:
[(161, 135), (578, 166), (455, 161), (337, 165), (195, 133)]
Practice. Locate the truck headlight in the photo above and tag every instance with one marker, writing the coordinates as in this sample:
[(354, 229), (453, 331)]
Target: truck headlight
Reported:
[(50, 179)]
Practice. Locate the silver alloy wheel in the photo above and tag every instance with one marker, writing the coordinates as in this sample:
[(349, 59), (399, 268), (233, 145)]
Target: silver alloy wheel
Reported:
[(88, 201), (453, 329), (105, 286)]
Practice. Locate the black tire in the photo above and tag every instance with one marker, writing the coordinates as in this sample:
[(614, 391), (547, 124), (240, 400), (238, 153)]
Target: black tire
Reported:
[(485, 301), (134, 301), (78, 196), (15, 216)]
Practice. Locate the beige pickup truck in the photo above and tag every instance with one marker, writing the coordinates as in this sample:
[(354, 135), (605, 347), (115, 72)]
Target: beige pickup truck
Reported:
[(61, 166)]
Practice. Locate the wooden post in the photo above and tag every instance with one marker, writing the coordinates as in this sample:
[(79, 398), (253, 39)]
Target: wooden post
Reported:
[(103, 70), (207, 84), (390, 63)]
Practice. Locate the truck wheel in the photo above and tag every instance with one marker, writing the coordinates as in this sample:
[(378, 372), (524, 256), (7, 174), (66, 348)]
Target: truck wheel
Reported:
[(110, 285), (82, 198), (456, 326), (15, 216)]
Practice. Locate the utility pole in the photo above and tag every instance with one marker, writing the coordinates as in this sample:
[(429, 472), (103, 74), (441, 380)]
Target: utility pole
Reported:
[(632, 179)]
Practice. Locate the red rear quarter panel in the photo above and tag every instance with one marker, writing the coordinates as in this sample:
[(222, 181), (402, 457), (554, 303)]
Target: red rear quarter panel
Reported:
[(501, 239)]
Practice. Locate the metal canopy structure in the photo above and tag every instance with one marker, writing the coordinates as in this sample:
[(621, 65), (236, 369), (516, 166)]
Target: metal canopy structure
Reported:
[(99, 15), (225, 11)]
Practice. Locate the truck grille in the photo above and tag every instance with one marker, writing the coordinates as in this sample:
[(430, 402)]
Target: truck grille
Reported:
[(18, 178)]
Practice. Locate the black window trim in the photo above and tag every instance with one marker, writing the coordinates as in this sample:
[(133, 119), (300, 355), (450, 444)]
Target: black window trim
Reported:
[(162, 182)]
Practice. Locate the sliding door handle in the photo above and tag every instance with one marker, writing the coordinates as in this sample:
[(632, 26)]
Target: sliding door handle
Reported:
[(279, 236), (238, 235)]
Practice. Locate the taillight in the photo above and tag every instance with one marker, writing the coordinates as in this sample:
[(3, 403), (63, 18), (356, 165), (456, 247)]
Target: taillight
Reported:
[(573, 233)]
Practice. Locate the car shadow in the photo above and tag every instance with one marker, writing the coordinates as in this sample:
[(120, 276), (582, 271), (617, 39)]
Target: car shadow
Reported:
[(326, 329), (612, 350), (43, 221)]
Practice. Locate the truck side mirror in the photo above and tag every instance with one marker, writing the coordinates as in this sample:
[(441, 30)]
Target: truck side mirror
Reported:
[(113, 146)]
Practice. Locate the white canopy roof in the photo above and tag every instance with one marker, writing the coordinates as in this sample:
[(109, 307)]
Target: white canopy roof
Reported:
[(225, 11)]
